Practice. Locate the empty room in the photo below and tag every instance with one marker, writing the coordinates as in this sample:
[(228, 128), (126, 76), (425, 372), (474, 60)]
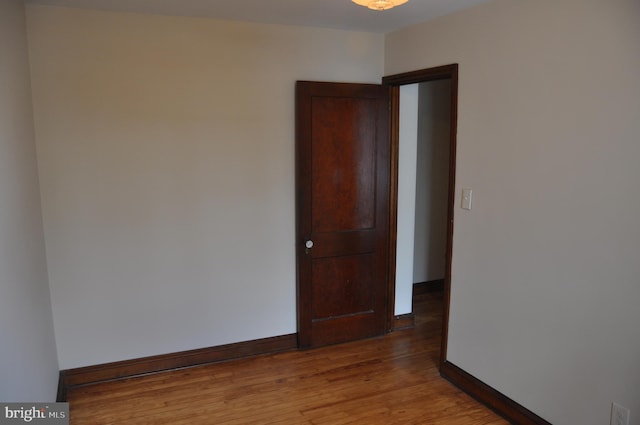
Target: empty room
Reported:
[(205, 206)]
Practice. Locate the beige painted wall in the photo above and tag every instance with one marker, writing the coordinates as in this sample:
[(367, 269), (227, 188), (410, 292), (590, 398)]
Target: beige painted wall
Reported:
[(432, 181), (546, 277), (166, 149), (28, 361)]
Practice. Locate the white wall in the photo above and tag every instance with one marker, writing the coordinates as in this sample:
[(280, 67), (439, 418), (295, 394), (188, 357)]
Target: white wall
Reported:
[(166, 150), (432, 181), (546, 277), (408, 145), (28, 361)]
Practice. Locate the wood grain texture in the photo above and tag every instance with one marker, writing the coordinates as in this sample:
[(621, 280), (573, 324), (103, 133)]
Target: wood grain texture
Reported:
[(404, 321), (71, 378), (342, 184), (392, 379), (343, 130), (342, 286)]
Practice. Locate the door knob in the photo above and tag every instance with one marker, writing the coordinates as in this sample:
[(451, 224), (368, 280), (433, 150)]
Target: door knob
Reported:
[(308, 244)]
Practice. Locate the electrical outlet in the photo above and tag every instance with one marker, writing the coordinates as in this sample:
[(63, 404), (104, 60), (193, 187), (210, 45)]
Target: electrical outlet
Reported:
[(619, 415)]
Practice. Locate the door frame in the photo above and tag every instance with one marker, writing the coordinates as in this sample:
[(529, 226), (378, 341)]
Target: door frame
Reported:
[(394, 82)]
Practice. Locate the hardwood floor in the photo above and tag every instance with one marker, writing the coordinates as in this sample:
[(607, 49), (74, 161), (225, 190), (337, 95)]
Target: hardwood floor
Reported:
[(387, 380)]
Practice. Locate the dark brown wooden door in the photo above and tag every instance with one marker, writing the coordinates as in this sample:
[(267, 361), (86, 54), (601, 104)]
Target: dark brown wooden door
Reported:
[(342, 181)]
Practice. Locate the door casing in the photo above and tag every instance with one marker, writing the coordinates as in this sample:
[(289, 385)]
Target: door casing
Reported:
[(394, 82)]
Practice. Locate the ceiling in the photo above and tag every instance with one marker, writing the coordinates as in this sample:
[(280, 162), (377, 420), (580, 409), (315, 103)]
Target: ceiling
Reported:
[(339, 14)]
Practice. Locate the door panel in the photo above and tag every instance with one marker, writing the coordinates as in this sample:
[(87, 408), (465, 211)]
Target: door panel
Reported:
[(342, 182), (342, 286), (342, 178)]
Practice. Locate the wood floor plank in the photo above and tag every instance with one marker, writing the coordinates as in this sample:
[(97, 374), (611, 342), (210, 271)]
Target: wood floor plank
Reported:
[(390, 380)]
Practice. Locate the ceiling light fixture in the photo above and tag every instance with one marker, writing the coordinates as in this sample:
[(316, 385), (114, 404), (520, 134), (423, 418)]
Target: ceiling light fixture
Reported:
[(380, 4)]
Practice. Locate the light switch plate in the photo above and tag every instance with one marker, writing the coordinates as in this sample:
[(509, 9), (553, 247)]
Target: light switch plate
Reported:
[(467, 196), (619, 415)]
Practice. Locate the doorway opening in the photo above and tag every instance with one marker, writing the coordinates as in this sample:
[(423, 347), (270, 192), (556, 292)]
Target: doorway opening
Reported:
[(422, 199)]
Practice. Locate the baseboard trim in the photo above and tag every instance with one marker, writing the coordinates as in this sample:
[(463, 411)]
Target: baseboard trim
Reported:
[(404, 321), (493, 399), (62, 389), (427, 287), (71, 378)]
